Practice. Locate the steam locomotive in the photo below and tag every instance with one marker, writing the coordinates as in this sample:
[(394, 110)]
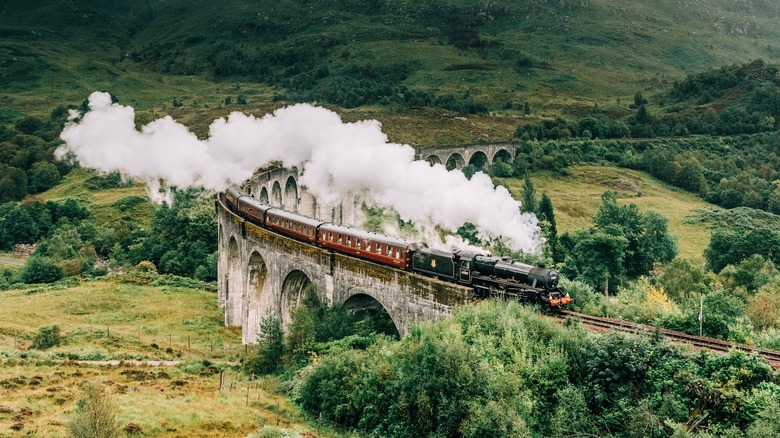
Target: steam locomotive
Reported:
[(489, 276)]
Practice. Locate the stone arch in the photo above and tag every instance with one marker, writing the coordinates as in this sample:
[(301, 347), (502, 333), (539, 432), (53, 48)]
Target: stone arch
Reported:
[(257, 273), (455, 161), (502, 155), (264, 195), (433, 160), (233, 286), (294, 289), (363, 303), (291, 195), (479, 160), (276, 195)]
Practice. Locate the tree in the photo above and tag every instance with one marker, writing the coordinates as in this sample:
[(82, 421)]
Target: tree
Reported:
[(646, 234), (684, 281), (529, 195), (545, 212), (95, 415), (271, 343), (655, 244), (17, 225), (13, 183), (597, 257), (639, 100), (42, 176)]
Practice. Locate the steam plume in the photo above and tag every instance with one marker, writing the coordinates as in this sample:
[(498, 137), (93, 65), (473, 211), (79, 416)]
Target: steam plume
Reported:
[(339, 158)]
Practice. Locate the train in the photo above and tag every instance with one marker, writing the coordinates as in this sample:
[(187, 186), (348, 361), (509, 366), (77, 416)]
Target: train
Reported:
[(489, 276)]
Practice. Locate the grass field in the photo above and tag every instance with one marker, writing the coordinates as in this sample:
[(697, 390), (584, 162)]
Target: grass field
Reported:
[(131, 317), (576, 197)]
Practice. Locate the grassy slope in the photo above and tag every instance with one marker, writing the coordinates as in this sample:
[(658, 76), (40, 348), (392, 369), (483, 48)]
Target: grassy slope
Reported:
[(165, 401), (576, 198), (99, 202)]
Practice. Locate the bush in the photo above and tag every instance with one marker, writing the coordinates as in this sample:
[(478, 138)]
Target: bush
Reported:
[(146, 266), (95, 416), (275, 432), (47, 337), (40, 270)]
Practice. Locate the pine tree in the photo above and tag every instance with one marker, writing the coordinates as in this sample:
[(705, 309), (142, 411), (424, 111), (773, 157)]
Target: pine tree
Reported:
[(529, 195), (271, 346), (546, 213)]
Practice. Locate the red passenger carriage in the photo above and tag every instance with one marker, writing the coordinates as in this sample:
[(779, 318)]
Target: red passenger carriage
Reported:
[(293, 225), (375, 247), (252, 209)]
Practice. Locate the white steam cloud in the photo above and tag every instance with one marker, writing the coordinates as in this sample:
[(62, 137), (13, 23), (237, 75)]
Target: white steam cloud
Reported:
[(339, 159)]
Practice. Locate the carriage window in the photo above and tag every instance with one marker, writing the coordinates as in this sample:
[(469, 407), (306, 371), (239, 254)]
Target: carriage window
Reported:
[(397, 253), (359, 243), (340, 239), (349, 241), (378, 248), (389, 251)]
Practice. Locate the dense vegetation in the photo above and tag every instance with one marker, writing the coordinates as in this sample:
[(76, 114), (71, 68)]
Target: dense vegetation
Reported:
[(498, 369), (182, 239), (27, 164)]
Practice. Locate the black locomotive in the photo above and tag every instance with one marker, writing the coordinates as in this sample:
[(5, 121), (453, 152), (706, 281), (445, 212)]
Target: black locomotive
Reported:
[(489, 276), (494, 276)]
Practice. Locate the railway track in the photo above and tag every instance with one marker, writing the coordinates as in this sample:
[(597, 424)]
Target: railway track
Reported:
[(611, 324)]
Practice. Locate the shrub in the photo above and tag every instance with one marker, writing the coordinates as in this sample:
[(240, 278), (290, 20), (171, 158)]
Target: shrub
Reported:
[(95, 415), (47, 337), (275, 432), (40, 270), (146, 266)]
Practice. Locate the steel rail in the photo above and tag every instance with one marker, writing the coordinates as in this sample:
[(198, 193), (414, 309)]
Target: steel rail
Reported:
[(773, 357)]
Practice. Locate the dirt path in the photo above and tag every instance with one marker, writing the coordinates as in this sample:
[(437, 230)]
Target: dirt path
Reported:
[(114, 363), (154, 363), (12, 261)]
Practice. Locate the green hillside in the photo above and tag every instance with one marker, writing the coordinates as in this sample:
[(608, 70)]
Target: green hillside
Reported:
[(459, 56), (576, 197)]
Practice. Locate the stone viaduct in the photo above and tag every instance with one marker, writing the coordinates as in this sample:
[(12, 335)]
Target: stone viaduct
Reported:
[(458, 156), (260, 271)]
